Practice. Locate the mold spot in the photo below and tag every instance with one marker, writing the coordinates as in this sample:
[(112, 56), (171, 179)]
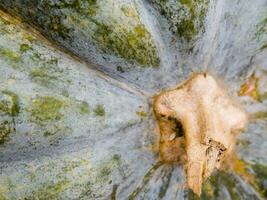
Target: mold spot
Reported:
[(120, 69), (190, 20), (5, 129), (99, 110), (43, 76), (50, 190), (25, 47), (132, 45), (84, 107), (10, 55), (45, 109), (9, 103), (48, 73), (141, 113)]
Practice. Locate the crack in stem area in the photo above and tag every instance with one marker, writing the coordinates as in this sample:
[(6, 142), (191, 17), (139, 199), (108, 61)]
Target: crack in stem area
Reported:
[(198, 124)]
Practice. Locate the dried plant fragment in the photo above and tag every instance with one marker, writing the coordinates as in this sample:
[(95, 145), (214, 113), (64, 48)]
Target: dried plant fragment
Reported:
[(198, 123)]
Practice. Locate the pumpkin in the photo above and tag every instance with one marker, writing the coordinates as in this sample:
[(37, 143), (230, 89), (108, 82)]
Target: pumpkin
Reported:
[(79, 81)]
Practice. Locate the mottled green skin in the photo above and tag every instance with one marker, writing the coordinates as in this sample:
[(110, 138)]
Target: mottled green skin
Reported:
[(212, 187), (261, 178), (65, 21), (100, 174), (217, 181), (56, 98), (261, 30), (49, 191), (41, 68), (186, 17), (145, 181)]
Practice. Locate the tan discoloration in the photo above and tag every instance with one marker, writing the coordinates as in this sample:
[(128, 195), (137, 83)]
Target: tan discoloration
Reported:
[(205, 122), (250, 88)]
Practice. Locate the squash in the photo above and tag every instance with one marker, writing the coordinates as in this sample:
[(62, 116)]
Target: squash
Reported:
[(79, 80)]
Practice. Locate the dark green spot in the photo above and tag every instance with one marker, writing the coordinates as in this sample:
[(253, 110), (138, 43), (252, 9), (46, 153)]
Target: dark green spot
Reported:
[(84, 107), (120, 69), (24, 47), (99, 110)]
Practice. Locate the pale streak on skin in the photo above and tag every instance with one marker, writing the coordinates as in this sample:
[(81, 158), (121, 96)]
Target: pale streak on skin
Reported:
[(210, 120)]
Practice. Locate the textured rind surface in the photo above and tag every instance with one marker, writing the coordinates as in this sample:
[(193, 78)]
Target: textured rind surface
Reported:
[(110, 151)]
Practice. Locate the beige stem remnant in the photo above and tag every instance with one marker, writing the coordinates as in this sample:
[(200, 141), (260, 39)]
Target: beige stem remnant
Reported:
[(199, 124)]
